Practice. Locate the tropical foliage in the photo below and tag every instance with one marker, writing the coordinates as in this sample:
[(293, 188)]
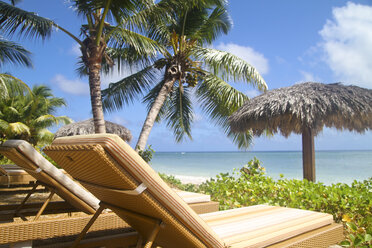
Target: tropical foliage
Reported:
[(188, 67), (106, 37), (26, 114), (349, 204)]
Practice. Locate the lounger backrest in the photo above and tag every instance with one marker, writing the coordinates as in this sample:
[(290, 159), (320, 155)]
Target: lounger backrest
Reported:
[(25, 156), (122, 180)]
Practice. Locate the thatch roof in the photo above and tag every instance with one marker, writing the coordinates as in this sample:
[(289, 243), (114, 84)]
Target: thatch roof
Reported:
[(312, 105), (87, 127)]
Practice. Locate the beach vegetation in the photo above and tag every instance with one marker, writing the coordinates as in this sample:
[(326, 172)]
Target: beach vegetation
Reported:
[(106, 37), (349, 204), (188, 67), (27, 114), (147, 154)]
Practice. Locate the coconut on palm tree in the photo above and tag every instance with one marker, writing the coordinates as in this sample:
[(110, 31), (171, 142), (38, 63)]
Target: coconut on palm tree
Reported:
[(106, 37), (27, 115), (189, 66)]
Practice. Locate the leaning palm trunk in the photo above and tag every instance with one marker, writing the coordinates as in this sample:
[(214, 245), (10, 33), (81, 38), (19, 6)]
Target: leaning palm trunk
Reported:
[(153, 113)]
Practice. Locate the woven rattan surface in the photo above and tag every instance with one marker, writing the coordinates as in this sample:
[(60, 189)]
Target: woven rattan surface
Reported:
[(53, 228), (46, 229), (21, 160), (90, 163), (320, 238)]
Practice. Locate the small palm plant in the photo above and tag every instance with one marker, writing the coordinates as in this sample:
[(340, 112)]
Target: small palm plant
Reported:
[(27, 114), (189, 67)]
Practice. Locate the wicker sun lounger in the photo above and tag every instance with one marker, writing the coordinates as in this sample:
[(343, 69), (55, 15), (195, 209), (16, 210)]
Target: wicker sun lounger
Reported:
[(30, 160), (115, 174), (76, 199)]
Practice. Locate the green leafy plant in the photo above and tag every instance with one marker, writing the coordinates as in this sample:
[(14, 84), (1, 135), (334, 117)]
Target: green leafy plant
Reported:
[(147, 154), (176, 183), (357, 235)]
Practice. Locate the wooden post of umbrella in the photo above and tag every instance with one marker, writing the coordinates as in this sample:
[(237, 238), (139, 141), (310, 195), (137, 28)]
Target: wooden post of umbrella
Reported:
[(308, 154)]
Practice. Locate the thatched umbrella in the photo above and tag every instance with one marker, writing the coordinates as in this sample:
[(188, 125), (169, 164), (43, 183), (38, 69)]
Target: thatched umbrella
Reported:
[(304, 109), (87, 127)]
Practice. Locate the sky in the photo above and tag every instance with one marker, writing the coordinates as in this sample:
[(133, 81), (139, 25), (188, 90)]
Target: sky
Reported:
[(288, 41)]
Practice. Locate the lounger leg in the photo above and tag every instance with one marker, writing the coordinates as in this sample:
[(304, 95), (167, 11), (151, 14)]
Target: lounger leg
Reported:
[(139, 241), (152, 237), (52, 192), (90, 223), (24, 201)]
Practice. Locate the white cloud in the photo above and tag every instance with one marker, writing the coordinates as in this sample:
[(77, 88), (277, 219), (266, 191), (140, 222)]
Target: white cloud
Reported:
[(119, 120), (308, 77), (197, 117), (252, 93), (75, 87), (248, 54), (347, 43), (75, 50)]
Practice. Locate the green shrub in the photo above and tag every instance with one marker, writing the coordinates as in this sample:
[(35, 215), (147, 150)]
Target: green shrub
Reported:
[(176, 183), (147, 154)]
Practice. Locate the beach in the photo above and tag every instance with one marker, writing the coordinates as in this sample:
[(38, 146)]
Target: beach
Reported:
[(331, 166)]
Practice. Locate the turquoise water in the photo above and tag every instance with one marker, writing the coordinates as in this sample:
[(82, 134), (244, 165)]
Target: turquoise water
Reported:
[(331, 166)]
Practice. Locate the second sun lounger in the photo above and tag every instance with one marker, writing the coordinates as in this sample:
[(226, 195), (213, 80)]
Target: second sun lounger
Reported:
[(116, 175)]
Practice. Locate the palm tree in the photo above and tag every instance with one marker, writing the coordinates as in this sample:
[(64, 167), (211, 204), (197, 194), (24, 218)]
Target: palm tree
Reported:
[(189, 67), (27, 115), (101, 43)]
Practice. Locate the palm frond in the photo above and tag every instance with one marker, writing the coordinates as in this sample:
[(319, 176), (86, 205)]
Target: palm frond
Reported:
[(44, 137), (11, 52), (180, 114), (3, 126), (219, 21), (128, 89), (10, 85), (128, 57), (219, 100), (242, 140), (50, 120), (13, 19), (18, 128), (144, 46), (118, 9), (14, 2), (230, 67)]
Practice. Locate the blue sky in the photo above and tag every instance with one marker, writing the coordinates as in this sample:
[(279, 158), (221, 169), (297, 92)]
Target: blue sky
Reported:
[(288, 41)]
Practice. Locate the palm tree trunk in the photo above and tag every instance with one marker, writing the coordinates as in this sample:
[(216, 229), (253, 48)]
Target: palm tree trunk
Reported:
[(153, 113), (95, 95)]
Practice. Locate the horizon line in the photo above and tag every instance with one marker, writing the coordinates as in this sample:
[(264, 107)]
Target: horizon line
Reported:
[(341, 150)]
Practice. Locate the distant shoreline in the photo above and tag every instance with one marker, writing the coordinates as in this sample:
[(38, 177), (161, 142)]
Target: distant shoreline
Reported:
[(331, 166), (364, 150)]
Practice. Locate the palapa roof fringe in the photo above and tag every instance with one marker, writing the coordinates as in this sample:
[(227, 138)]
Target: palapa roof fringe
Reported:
[(313, 105), (87, 127)]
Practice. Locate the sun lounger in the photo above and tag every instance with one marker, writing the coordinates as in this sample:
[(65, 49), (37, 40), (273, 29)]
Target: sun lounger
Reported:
[(57, 181), (12, 174), (117, 175), (25, 156), (31, 161)]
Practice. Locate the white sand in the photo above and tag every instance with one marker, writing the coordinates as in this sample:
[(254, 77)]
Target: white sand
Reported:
[(191, 179)]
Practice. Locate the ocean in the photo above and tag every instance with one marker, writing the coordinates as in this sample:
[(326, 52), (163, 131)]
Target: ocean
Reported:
[(331, 166)]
